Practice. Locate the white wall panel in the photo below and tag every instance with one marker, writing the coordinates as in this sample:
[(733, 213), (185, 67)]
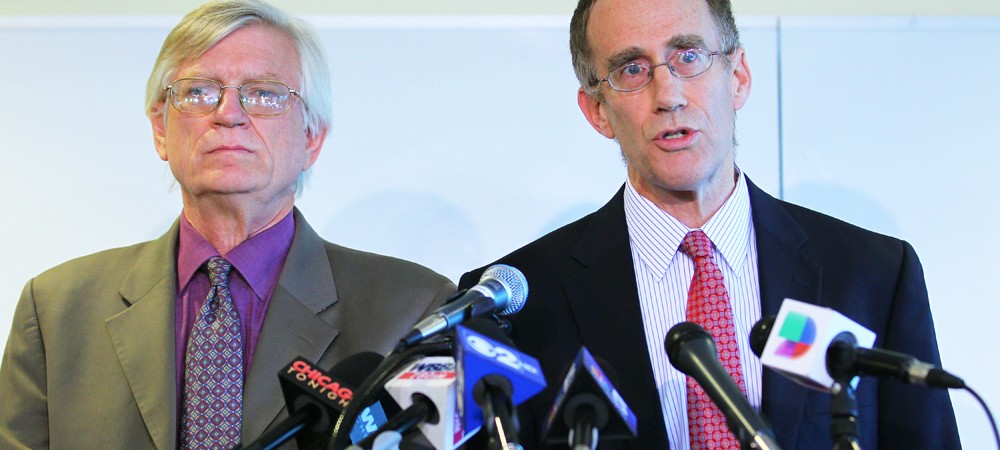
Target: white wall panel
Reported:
[(891, 124), (457, 141)]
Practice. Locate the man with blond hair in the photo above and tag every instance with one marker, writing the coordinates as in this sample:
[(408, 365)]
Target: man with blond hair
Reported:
[(176, 342)]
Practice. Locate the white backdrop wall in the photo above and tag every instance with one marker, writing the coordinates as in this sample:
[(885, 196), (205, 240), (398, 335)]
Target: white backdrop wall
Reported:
[(458, 139)]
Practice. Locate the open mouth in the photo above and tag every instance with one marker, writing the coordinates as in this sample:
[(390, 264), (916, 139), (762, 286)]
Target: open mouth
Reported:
[(674, 134)]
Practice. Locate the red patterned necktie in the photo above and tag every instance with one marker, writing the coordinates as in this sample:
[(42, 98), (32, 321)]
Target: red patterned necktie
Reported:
[(708, 306), (213, 369)]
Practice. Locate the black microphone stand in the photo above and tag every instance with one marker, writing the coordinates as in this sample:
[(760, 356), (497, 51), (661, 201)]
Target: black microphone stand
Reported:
[(305, 417), (585, 433), (840, 359), (493, 394)]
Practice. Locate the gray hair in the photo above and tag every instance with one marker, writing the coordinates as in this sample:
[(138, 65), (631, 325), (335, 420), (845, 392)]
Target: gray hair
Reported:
[(208, 24)]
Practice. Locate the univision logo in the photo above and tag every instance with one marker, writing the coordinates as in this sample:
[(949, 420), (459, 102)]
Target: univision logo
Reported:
[(799, 332)]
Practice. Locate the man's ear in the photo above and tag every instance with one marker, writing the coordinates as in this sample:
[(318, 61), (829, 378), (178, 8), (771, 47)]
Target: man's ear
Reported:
[(314, 143), (158, 120), (595, 110), (741, 79)]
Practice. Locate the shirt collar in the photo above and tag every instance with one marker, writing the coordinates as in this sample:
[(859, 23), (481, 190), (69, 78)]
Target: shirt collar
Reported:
[(656, 235), (258, 260)]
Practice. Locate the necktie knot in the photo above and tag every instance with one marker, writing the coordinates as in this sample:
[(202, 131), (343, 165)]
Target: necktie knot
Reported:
[(697, 245), (218, 271)]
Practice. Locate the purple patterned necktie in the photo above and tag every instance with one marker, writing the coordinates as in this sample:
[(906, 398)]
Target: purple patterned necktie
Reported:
[(213, 369)]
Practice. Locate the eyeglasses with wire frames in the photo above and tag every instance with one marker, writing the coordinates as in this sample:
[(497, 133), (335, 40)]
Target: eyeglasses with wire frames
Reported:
[(258, 98), (683, 63)]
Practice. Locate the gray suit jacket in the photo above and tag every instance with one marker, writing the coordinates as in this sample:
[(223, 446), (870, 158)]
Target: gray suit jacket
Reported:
[(90, 358)]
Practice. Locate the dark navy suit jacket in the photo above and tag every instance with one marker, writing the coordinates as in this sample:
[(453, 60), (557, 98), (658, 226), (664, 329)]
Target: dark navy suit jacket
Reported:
[(583, 292)]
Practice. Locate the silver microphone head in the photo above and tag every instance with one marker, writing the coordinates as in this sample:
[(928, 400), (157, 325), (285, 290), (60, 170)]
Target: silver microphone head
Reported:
[(513, 282)]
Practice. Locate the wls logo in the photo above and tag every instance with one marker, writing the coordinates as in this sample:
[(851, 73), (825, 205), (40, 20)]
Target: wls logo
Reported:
[(799, 332)]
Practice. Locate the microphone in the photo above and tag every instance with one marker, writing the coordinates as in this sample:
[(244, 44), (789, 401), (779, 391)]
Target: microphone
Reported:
[(315, 398), (427, 389), (691, 350), (373, 417), (810, 344), (588, 408), (494, 377), (388, 440), (501, 290)]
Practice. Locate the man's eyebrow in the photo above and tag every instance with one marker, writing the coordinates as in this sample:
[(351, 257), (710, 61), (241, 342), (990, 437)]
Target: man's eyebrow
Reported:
[(682, 41), (268, 76), (619, 59), (262, 76)]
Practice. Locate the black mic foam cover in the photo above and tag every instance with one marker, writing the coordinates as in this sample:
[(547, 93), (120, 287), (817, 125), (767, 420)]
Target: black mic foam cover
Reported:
[(323, 394), (687, 334), (759, 334)]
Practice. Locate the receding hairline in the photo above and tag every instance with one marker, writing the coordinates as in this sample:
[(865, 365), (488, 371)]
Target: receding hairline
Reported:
[(582, 49)]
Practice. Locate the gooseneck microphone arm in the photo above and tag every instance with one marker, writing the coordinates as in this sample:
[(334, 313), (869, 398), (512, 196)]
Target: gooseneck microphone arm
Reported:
[(279, 435)]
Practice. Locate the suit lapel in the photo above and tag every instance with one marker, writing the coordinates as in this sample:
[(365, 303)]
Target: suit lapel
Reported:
[(291, 327), (143, 337), (785, 272), (605, 304), (600, 301)]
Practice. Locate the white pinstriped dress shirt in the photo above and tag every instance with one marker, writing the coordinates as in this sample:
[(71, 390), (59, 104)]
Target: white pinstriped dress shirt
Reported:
[(663, 275)]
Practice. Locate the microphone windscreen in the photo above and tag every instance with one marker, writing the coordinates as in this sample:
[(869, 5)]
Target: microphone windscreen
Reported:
[(683, 336), (353, 369), (759, 334), (323, 395), (513, 282)]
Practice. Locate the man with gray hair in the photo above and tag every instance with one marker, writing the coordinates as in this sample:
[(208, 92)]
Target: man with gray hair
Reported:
[(176, 342)]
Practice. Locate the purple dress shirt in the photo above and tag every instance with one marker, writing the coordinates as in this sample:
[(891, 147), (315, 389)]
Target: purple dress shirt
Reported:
[(257, 264)]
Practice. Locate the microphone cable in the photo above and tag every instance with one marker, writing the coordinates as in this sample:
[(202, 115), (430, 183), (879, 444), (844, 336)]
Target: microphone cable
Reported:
[(989, 414)]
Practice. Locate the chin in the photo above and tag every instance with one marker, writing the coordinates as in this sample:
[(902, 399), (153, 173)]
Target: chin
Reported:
[(230, 188)]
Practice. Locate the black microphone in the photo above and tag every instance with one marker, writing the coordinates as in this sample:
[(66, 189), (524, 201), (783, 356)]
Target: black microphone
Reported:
[(501, 290), (315, 398), (589, 409), (843, 355), (691, 350)]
